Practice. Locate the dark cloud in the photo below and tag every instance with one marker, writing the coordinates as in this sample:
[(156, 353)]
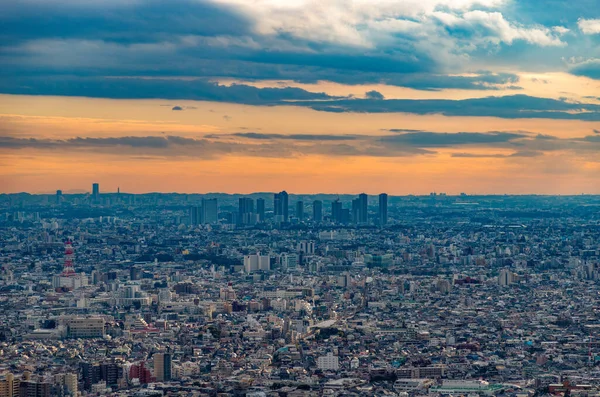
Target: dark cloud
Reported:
[(436, 82), (401, 130), (297, 137), (415, 79), (521, 144), (374, 95), (177, 146), (590, 68), (437, 139), (121, 22), (511, 107), (545, 137), (172, 146), (398, 62), (177, 108), (498, 155), (142, 88)]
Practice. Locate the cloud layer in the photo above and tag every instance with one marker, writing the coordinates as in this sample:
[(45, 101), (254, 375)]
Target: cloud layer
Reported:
[(407, 143), (510, 107), (421, 44)]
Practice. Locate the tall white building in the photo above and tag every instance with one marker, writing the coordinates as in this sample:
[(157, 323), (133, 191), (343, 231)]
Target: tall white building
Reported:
[(506, 277), (289, 261), (253, 263), (306, 247)]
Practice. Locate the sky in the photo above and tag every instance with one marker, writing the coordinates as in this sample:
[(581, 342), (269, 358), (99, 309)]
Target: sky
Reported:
[(240, 96)]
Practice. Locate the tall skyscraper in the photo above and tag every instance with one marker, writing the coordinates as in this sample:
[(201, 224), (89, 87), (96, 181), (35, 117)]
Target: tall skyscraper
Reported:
[(336, 210), (281, 206), (383, 209), (363, 208), (277, 207), (318, 211), (344, 216), (300, 210), (195, 214), (210, 211), (95, 190), (59, 196), (246, 214), (356, 210), (260, 209), (162, 367)]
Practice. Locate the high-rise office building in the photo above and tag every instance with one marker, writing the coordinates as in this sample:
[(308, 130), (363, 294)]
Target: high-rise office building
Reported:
[(246, 215), (506, 277), (260, 209), (277, 207), (256, 262), (344, 215), (210, 211), (336, 210), (300, 210), (356, 210), (95, 190), (162, 367), (195, 214), (363, 208), (383, 209), (318, 211), (281, 206), (59, 196)]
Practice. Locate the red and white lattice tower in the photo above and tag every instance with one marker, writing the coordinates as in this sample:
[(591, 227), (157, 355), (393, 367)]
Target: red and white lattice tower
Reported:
[(68, 269)]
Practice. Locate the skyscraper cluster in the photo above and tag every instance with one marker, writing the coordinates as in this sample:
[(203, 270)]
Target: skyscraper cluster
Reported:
[(359, 211), (318, 211), (252, 211)]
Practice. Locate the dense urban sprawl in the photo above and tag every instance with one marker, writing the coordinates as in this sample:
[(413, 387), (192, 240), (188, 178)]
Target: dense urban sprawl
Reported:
[(117, 294)]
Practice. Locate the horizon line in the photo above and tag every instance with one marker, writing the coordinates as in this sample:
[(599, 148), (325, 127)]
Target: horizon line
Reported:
[(435, 194)]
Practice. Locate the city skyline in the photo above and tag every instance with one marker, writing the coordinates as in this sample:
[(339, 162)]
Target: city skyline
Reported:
[(374, 193)]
